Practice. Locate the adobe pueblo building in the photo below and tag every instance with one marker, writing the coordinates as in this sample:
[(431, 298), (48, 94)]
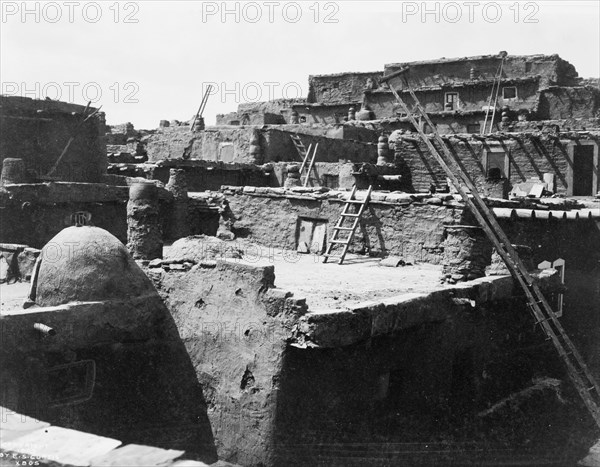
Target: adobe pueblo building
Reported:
[(401, 269)]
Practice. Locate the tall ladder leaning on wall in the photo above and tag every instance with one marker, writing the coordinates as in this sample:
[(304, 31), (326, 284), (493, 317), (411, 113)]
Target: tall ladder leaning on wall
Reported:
[(582, 378), (493, 95)]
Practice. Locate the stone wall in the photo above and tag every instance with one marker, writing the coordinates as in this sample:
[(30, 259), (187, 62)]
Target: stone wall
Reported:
[(526, 158), (341, 88), (37, 131), (552, 69), (233, 144), (472, 97), (575, 102)]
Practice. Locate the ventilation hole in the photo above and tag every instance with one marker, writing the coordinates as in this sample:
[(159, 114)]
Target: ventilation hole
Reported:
[(200, 303)]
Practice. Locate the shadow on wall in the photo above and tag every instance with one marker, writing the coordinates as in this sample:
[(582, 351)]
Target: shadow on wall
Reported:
[(116, 365)]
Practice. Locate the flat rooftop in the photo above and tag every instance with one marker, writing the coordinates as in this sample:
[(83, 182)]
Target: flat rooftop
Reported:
[(334, 286)]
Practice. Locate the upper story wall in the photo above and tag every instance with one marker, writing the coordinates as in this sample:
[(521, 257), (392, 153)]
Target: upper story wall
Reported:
[(552, 69), (341, 87), (37, 131), (517, 94)]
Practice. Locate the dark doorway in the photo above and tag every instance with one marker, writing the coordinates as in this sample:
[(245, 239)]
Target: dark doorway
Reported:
[(583, 170)]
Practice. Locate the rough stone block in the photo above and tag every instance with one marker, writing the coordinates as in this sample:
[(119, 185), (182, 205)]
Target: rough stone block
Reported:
[(26, 260)]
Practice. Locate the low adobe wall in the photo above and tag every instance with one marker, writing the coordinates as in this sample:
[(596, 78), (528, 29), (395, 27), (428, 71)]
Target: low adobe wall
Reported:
[(232, 144), (235, 326), (144, 389), (400, 224)]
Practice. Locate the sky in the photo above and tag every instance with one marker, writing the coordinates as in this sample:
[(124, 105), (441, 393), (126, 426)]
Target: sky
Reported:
[(146, 61)]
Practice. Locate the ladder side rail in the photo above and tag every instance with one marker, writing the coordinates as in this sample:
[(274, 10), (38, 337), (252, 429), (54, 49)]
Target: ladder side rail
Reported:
[(512, 260), (514, 266), (536, 293), (490, 217), (202, 105), (312, 162), (497, 92), (304, 160), (487, 110), (553, 320), (356, 222)]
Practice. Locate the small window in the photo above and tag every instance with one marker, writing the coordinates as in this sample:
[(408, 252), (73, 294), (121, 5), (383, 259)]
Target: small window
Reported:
[(527, 67), (474, 128), (451, 101), (496, 163), (509, 92)]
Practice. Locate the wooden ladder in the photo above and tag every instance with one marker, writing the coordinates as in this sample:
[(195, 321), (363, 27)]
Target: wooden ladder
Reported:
[(495, 91), (308, 159), (580, 375), (339, 226), (202, 107)]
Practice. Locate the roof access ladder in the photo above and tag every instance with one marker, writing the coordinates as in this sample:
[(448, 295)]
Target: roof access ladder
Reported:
[(582, 378), (308, 159), (339, 227)]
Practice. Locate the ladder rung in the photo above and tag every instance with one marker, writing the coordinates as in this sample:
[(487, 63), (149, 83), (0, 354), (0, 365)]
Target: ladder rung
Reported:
[(329, 255), (343, 228), (354, 201), (346, 214), (343, 242)]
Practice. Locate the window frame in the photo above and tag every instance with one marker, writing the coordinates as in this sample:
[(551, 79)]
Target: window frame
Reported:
[(455, 102), (504, 88)]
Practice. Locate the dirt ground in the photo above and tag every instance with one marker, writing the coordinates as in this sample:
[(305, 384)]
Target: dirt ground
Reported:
[(12, 296)]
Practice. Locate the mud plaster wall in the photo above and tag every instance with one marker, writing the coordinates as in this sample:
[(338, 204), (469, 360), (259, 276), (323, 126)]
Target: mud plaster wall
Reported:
[(340, 88), (38, 131), (211, 177), (227, 145), (278, 147), (552, 68), (383, 104), (35, 224), (578, 243), (234, 329), (145, 389), (528, 158), (420, 385), (414, 231), (233, 145), (579, 102)]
